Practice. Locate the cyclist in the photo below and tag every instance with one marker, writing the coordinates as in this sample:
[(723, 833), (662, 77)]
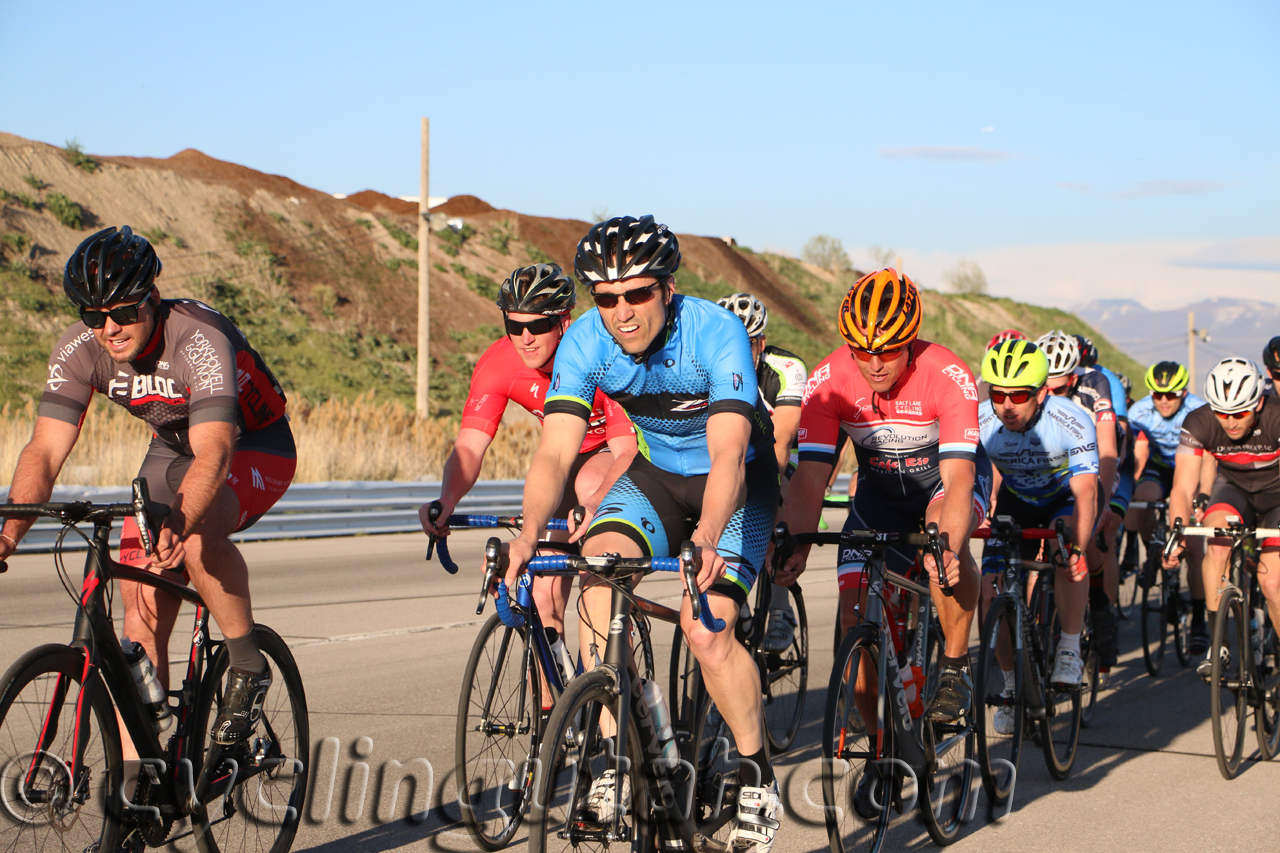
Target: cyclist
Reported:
[(1240, 430), (535, 302), (1271, 360), (780, 376), (1091, 390), (910, 408), (682, 369), (221, 451), (996, 340), (1157, 420), (1045, 451)]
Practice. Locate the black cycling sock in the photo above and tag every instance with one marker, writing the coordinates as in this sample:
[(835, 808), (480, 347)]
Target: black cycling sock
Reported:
[(760, 760), (245, 655), (1197, 611), (961, 662)]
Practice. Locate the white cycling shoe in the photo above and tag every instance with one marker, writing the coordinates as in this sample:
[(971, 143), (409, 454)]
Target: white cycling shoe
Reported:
[(1068, 670), (599, 808), (757, 823), (1004, 721)]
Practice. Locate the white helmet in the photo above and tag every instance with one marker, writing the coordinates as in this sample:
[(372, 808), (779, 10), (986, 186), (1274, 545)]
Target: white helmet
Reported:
[(1062, 350), (749, 310), (1233, 385)]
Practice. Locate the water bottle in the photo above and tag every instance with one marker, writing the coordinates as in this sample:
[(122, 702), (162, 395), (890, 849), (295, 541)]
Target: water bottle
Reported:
[(564, 662), (911, 682), (1259, 619), (661, 722), (149, 687)]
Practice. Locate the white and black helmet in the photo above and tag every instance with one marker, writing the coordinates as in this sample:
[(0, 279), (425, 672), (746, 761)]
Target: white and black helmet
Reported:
[(539, 289), (749, 310), (1062, 350), (623, 247), (1233, 385)]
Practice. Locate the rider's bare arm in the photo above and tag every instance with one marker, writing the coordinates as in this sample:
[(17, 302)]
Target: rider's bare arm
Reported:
[(1106, 459), (212, 446), (622, 450), (804, 507), (1085, 489), (37, 469), (786, 421), (1141, 453), (996, 480), (956, 521), (562, 436), (728, 435), (1186, 481), (460, 474)]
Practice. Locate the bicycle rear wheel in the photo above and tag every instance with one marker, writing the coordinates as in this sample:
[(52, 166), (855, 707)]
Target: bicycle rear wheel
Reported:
[(1266, 714), (947, 789), (1089, 685), (1228, 698), (684, 686), (44, 808), (1060, 728), (268, 780), (1128, 593), (1155, 624), (496, 741), (572, 756), (849, 749), (1180, 602), (786, 677), (999, 745)]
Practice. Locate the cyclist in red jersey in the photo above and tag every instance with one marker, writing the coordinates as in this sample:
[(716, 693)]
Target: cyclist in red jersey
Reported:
[(221, 454), (535, 303), (910, 408)]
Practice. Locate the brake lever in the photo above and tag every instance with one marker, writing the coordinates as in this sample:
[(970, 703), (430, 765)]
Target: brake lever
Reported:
[(492, 559), (689, 573), (935, 548), (145, 513), (433, 513), (1175, 536), (1060, 531)]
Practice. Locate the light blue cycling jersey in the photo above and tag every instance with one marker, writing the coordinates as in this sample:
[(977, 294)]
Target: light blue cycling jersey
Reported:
[(699, 366), (1117, 392), (1162, 432), (1038, 463)]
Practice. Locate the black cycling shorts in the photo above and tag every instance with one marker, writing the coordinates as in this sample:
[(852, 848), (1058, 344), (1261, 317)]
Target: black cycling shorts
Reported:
[(1260, 509)]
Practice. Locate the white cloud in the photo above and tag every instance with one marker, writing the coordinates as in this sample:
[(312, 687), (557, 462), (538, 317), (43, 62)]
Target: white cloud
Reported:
[(988, 129), (1159, 274), (1146, 189), (946, 154), (1075, 186)]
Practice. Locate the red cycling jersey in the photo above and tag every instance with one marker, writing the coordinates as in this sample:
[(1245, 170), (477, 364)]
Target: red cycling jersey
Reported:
[(500, 376), (899, 437)]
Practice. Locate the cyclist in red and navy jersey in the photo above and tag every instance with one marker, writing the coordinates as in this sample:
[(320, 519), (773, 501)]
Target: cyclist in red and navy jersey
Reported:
[(221, 453), (910, 408), (535, 303)]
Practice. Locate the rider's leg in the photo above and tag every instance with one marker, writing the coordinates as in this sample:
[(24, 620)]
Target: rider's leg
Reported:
[(955, 612), (1071, 595), (1147, 490), (727, 670), (1111, 522), (1214, 565), (1194, 554), (217, 569)]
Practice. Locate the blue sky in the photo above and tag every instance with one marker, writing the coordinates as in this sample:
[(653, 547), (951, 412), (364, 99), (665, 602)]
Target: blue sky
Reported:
[(944, 130)]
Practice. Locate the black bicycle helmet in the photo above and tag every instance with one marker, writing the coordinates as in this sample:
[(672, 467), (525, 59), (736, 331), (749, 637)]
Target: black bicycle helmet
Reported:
[(109, 267), (624, 246), (1088, 352), (539, 289), (1271, 354)]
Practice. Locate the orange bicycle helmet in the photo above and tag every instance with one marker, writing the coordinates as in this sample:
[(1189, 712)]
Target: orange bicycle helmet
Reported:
[(881, 312)]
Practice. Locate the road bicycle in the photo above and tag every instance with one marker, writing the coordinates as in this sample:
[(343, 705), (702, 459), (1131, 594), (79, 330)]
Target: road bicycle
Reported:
[(500, 706), (1246, 670), (1166, 606), (1021, 639), (897, 641), (61, 766)]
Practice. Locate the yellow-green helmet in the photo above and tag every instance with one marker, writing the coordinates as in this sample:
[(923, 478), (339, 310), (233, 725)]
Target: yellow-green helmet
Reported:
[(1015, 364), (1167, 376)]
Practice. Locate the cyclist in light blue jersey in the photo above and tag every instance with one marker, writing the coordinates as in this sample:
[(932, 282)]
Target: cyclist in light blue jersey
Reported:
[(1044, 449), (1157, 424), (682, 369)]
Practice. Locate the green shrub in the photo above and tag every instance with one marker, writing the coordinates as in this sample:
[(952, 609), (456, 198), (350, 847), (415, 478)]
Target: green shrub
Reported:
[(15, 242), (537, 255), (178, 242), (326, 299), (394, 264), (497, 239), (440, 267), (20, 198), (450, 250), (155, 235), (479, 283), (366, 224), (34, 182), (278, 217), (401, 236), (76, 156), (456, 238), (65, 210)]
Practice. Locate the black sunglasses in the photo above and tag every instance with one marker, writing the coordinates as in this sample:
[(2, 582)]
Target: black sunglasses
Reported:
[(125, 315), (1019, 397), (636, 296), (1167, 395), (540, 326)]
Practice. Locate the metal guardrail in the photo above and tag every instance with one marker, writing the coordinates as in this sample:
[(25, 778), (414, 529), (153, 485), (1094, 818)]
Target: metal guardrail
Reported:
[(313, 510)]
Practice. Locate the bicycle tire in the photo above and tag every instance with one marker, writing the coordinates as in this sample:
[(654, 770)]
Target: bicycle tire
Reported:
[(1155, 624), (1060, 728), (262, 811), (785, 681), (947, 785), (1266, 712), (1127, 595), (847, 749), (1228, 699), (998, 752), (1182, 627), (500, 670), (40, 687), (565, 747), (718, 772)]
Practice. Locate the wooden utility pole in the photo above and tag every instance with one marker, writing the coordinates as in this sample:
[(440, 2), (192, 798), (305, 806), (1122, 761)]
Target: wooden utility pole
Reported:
[(424, 272), (1191, 347)]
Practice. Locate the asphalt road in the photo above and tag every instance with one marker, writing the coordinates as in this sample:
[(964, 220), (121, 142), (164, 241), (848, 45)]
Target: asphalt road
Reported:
[(381, 639)]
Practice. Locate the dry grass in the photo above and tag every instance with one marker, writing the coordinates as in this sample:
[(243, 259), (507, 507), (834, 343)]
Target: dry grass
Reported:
[(337, 440)]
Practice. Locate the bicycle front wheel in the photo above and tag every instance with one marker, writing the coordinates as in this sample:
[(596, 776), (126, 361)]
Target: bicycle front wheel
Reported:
[(1180, 604), (1266, 714), (1129, 590), (257, 805), (1155, 623), (496, 742), (44, 807), (785, 677), (850, 751), (1228, 697), (1060, 728), (999, 701), (574, 754)]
